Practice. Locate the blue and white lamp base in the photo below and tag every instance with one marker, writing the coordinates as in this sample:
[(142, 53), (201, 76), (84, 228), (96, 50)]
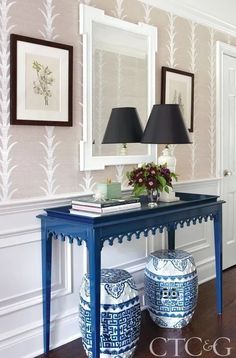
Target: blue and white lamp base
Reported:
[(171, 288), (120, 314)]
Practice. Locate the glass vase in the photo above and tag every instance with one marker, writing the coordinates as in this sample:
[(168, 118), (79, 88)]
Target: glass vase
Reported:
[(153, 198)]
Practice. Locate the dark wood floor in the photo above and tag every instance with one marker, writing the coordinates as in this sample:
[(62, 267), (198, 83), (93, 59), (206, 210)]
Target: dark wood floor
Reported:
[(206, 325)]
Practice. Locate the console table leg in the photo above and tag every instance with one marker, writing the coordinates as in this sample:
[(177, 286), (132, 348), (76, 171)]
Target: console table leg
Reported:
[(95, 278), (171, 239), (218, 258), (46, 242)]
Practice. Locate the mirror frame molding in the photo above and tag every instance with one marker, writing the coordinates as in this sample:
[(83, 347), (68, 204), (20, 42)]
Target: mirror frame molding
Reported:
[(88, 15)]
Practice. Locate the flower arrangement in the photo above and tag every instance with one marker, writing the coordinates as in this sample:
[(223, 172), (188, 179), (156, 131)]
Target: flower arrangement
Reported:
[(150, 177)]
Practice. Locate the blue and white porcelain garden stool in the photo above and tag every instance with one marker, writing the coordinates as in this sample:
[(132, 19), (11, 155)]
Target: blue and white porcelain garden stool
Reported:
[(171, 287), (120, 314)]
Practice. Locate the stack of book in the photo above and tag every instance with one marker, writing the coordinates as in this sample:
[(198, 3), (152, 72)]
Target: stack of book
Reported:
[(88, 206)]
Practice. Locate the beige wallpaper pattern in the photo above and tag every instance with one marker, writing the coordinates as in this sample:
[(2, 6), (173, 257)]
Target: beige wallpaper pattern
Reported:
[(38, 161)]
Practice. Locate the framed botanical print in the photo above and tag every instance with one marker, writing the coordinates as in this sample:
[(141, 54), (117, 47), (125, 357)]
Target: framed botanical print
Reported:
[(41, 82), (178, 88)]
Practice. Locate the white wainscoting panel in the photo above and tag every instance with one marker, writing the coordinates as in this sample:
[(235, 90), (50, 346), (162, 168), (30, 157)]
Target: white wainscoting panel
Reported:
[(198, 239), (20, 274)]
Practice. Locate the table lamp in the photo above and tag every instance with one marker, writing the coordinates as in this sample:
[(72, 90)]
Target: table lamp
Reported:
[(123, 127), (166, 126)]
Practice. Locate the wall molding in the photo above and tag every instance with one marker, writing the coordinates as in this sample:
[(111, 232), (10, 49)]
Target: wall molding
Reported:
[(199, 245), (196, 184), (39, 203), (24, 302), (34, 297), (15, 237), (185, 11), (24, 330), (20, 336)]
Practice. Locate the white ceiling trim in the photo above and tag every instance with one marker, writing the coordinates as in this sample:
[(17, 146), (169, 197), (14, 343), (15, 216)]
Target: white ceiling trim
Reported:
[(188, 12)]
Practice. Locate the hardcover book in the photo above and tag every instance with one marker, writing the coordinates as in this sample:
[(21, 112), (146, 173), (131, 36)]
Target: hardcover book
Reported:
[(92, 202), (106, 209)]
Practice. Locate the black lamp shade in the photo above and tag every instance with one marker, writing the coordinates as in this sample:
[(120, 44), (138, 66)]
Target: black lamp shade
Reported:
[(166, 126), (123, 126)]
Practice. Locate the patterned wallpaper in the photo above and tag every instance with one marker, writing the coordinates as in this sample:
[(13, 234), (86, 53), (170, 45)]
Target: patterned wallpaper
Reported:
[(38, 161)]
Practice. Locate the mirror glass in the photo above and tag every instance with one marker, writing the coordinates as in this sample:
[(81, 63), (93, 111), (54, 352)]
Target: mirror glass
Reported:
[(118, 71)]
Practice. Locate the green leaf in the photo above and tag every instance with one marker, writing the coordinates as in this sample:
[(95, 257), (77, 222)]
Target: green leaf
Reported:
[(167, 189), (139, 190), (173, 175), (161, 180)]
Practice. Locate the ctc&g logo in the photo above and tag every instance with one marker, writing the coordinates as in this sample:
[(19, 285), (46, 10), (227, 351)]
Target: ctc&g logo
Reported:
[(219, 346)]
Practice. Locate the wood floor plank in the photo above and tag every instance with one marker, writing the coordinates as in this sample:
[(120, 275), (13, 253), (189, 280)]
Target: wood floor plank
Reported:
[(206, 325)]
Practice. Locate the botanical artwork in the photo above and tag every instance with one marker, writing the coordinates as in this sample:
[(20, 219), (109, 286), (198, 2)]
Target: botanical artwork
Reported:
[(178, 96), (41, 90), (177, 88), (42, 80)]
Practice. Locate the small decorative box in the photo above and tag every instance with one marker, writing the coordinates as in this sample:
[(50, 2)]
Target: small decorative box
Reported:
[(168, 197), (110, 190)]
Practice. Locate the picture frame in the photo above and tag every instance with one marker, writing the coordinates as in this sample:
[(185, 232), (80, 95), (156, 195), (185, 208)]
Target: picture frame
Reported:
[(177, 87), (40, 82)]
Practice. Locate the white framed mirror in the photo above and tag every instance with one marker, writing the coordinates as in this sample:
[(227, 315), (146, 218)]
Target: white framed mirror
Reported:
[(118, 71)]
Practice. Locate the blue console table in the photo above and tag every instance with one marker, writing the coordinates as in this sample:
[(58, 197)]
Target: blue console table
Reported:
[(58, 223)]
